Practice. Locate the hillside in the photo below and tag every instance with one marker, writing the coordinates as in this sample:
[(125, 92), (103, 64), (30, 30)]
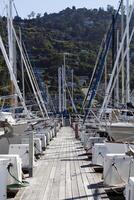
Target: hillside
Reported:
[(76, 31)]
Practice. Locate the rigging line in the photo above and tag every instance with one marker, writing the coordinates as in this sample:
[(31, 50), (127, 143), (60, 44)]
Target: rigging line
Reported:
[(105, 102), (29, 88), (25, 63), (13, 76), (100, 54), (29, 73), (38, 90), (85, 99), (101, 65), (25, 56), (125, 52), (15, 8), (72, 101), (108, 95), (34, 80)]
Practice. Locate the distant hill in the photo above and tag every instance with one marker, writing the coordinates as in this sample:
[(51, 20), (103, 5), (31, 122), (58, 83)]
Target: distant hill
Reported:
[(76, 31)]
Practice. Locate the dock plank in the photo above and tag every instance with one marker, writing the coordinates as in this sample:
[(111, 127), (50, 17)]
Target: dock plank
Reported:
[(68, 173), (63, 173)]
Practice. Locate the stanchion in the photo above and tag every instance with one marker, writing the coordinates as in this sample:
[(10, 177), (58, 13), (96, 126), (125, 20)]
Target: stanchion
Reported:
[(76, 131), (31, 151)]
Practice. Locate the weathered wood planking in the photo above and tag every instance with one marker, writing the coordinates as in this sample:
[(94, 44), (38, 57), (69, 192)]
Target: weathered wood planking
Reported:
[(63, 173)]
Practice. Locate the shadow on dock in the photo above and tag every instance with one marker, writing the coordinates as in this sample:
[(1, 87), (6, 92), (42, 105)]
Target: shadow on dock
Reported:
[(86, 196), (84, 159)]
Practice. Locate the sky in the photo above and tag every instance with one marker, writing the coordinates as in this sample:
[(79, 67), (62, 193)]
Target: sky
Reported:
[(25, 7)]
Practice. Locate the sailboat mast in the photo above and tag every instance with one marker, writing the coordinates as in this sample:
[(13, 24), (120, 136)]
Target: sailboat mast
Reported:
[(72, 86), (2, 47), (22, 67), (113, 52), (122, 32), (59, 84), (128, 55), (64, 72), (10, 32), (12, 49), (117, 83), (63, 96)]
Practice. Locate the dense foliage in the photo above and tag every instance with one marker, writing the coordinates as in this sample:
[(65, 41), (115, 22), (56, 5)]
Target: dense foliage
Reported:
[(76, 31)]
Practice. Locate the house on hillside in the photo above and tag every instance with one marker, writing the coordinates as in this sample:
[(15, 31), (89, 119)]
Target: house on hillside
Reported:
[(83, 81)]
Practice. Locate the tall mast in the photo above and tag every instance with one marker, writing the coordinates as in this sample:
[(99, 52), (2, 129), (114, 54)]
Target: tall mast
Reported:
[(29, 75), (64, 98), (122, 32), (64, 72), (72, 87), (22, 67), (117, 83), (128, 55), (63, 90), (113, 51), (59, 85), (106, 72), (12, 50), (2, 47), (10, 32)]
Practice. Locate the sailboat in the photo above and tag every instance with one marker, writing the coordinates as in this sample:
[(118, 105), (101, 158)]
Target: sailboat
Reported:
[(19, 125), (120, 130)]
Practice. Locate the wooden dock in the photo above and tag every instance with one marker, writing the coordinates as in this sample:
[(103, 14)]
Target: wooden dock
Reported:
[(64, 173)]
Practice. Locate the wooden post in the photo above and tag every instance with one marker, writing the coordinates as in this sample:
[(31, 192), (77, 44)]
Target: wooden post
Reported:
[(76, 131), (72, 120), (31, 152), (55, 130)]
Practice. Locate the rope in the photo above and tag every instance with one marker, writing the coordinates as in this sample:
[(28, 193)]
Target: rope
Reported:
[(20, 183), (37, 148), (15, 9), (113, 165)]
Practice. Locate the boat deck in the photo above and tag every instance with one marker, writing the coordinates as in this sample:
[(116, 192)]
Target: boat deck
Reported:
[(64, 173)]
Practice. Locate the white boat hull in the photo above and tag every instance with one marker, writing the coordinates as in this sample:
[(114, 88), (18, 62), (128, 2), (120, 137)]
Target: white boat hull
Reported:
[(19, 128), (121, 131), (18, 131)]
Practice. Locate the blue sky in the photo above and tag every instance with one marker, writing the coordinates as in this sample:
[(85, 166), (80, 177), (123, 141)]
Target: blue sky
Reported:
[(42, 6), (25, 7)]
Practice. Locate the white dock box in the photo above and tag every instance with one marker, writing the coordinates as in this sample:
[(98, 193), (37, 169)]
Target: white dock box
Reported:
[(98, 153), (15, 169), (23, 151), (129, 191), (116, 148), (37, 144), (117, 169), (42, 137), (46, 133), (3, 179)]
